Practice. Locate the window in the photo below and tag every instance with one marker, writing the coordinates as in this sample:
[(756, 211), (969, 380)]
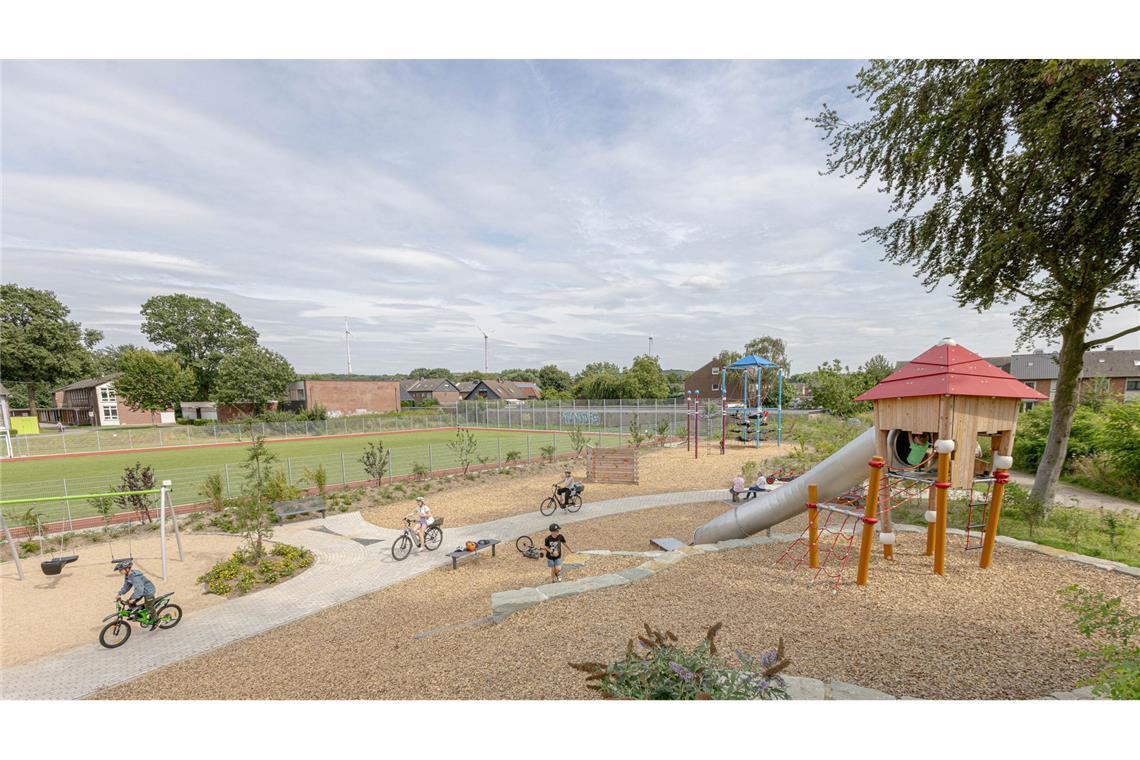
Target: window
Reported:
[(110, 412), (107, 393), (716, 386), (716, 371), (1132, 384), (1032, 384)]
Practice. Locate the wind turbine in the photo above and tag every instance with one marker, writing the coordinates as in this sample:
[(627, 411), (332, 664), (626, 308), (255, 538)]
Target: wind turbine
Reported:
[(348, 345), (485, 365), (651, 345)]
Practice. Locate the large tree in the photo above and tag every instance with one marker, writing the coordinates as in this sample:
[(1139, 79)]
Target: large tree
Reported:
[(644, 379), (199, 332), (39, 346), (253, 374), (554, 380), (152, 382), (106, 360), (1016, 181)]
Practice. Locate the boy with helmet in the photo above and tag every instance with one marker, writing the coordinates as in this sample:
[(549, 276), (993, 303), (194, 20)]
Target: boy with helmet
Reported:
[(140, 587), (554, 545)]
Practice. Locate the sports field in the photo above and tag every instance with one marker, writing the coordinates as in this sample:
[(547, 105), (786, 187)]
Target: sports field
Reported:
[(188, 467)]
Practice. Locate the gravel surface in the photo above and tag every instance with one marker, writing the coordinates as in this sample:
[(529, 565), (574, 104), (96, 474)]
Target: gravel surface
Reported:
[(973, 634), (500, 495), (46, 614)]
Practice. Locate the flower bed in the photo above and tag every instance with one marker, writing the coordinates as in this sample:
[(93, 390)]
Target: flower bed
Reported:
[(243, 570)]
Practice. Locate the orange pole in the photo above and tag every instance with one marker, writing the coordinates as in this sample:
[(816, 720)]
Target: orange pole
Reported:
[(942, 504), (930, 524), (1001, 477), (869, 519), (813, 526), (887, 531)]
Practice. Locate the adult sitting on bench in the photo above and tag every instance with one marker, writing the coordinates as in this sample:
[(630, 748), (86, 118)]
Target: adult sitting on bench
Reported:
[(737, 488), (307, 505)]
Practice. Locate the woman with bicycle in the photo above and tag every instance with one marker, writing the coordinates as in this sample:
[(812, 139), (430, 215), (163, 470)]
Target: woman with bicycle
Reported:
[(422, 518)]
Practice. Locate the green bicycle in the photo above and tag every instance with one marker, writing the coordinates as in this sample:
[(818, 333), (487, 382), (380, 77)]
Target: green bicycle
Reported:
[(116, 632)]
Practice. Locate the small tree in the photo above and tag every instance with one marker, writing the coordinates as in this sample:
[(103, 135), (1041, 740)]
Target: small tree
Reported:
[(375, 460), (319, 477), (663, 429), (636, 434), (463, 447), (254, 515), (103, 506), (578, 440), (252, 374), (214, 491), (137, 478)]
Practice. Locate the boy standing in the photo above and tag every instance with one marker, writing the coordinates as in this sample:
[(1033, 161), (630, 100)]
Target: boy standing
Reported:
[(554, 545)]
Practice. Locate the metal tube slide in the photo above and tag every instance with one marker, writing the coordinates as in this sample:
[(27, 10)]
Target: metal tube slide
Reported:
[(842, 470)]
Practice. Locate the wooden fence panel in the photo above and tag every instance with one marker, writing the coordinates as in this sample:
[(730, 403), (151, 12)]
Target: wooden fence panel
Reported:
[(613, 465)]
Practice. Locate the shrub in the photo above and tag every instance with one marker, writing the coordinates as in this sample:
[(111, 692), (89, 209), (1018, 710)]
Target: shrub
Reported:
[(375, 460), (657, 667), (548, 451), (319, 477), (1116, 633), (137, 478), (214, 491), (578, 440), (662, 429), (419, 470), (512, 457), (636, 434), (243, 569), (750, 470), (103, 506)]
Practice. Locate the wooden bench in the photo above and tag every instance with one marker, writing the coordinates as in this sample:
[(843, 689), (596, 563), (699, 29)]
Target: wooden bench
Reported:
[(480, 545), (307, 505)]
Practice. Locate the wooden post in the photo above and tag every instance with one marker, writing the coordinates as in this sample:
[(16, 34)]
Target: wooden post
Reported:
[(869, 519), (886, 530), (813, 526), (944, 448), (1001, 465)]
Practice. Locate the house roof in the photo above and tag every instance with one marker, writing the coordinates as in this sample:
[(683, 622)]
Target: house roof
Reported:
[(466, 386), (949, 369), (504, 389), (93, 382), (530, 390), (430, 385), (1043, 366)]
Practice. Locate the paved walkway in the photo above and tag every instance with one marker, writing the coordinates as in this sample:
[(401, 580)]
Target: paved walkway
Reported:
[(353, 559), (1068, 495)]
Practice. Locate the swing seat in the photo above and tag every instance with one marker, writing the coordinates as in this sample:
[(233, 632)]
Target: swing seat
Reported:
[(55, 565)]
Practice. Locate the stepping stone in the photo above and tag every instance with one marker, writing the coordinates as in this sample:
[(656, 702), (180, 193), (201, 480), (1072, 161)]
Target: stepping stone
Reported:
[(503, 603), (668, 544), (635, 573)]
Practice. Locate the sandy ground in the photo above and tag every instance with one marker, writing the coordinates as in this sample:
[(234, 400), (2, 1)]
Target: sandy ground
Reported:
[(1000, 633), (495, 496), (43, 615)]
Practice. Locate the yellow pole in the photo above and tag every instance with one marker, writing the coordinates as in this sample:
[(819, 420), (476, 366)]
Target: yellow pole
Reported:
[(1001, 477), (813, 526), (930, 523), (869, 519), (944, 448)]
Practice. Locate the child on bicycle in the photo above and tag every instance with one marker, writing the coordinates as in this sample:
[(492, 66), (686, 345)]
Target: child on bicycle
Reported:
[(142, 590), (554, 545), (422, 517)]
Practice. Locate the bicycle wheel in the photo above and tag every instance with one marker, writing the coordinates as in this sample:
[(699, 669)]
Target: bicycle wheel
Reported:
[(522, 543), (575, 503), (169, 616), (115, 634), (548, 506), (401, 547), (433, 538)]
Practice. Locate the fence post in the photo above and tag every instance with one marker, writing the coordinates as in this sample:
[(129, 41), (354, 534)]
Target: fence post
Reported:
[(343, 471), (499, 442), (389, 467), (98, 440), (289, 470), (63, 440), (528, 447), (229, 489), (430, 467), (67, 503)]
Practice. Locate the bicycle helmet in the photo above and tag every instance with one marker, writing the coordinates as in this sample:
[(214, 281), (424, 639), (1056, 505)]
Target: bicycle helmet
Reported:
[(554, 527), (420, 499), (124, 564)]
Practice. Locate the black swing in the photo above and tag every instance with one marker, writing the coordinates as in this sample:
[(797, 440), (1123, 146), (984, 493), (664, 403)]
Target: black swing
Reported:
[(54, 565)]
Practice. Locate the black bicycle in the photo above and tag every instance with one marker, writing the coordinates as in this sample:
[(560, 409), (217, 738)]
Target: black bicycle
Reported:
[(433, 537), (573, 501)]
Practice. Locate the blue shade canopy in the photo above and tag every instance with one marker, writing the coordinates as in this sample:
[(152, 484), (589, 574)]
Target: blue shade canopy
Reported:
[(752, 360)]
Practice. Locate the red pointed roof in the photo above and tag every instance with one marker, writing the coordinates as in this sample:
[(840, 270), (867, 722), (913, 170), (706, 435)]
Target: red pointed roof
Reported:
[(950, 369)]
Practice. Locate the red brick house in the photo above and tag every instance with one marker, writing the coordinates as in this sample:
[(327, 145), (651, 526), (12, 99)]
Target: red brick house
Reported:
[(499, 390), (707, 381), (443, 391), (95, 402)]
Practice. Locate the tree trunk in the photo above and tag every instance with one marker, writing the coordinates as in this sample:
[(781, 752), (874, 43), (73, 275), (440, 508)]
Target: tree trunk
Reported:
[(32, 398), (1071, 361)]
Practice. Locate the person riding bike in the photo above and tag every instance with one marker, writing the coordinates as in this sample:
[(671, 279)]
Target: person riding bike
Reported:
[(422, 517), (142, 590), (566, 487)]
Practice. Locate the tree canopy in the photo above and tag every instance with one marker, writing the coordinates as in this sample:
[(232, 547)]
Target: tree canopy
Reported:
[(253, 374), (39, 346), (199, 332), (1014, 180), (152, 382)]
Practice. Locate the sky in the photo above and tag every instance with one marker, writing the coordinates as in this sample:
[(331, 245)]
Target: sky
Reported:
[(571, 210)]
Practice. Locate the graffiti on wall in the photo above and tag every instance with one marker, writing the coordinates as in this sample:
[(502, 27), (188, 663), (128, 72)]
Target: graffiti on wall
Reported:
[(581, 418)]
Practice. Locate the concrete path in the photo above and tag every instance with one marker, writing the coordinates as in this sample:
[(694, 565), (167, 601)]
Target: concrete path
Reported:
[(353, 559), (1068, 495)]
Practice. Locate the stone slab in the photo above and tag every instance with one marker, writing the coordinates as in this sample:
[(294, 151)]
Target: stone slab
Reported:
[(841, 690), (668, 544), (503, 603), (805, 688), (636, 573)]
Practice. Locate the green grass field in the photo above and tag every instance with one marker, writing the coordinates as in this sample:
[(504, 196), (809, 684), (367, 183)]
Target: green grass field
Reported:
[(189, 467)]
